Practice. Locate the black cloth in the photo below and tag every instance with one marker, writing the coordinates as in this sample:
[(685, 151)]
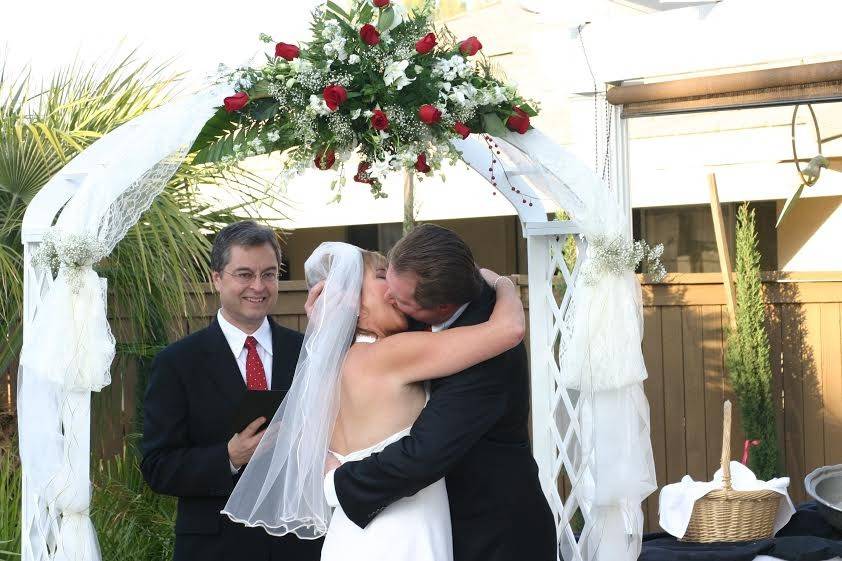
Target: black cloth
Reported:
[(806, 537), (475, 431), (193, 391)]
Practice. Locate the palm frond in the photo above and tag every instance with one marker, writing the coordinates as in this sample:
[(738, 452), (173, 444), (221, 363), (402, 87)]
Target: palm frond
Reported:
[(153, 271)]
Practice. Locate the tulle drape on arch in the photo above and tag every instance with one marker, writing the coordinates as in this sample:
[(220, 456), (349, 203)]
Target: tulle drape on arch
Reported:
[(68, 346)]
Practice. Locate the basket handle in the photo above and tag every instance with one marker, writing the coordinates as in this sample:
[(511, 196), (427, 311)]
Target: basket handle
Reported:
[(726, 446)]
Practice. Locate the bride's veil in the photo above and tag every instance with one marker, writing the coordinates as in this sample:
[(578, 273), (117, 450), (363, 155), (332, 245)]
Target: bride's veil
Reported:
[(281, 488)]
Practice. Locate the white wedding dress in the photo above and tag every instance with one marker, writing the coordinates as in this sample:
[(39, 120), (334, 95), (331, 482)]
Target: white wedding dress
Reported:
[(415, 528)]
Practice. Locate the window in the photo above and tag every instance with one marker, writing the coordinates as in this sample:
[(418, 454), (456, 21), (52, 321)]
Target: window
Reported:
[(689, 239), (375, 237)]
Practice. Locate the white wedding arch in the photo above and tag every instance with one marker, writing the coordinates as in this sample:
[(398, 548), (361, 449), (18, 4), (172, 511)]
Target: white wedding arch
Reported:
[(590, 415)]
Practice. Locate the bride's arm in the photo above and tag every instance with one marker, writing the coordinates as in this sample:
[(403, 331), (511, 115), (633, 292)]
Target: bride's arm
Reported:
[(414, 356)]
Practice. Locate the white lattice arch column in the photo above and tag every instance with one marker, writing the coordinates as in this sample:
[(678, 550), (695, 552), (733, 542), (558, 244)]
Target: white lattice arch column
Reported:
[(40, 520)]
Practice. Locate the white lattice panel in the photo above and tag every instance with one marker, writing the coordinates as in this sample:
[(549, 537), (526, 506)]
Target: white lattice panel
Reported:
[(40, 523), (557, 451)]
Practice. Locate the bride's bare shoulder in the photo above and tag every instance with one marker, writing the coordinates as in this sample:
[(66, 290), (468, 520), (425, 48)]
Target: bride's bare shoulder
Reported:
[(362, 360)]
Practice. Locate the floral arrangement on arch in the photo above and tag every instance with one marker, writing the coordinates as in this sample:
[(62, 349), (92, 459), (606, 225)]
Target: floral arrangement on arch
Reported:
[(377, 80)]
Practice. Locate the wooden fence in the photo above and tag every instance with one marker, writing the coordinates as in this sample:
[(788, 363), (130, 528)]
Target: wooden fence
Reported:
[(685, 322)]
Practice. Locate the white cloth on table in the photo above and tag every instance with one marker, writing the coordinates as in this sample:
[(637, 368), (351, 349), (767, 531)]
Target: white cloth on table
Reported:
[(676, 500)]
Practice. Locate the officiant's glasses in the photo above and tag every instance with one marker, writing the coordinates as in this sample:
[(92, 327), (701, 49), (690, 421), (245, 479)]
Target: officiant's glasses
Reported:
[(247, 277)]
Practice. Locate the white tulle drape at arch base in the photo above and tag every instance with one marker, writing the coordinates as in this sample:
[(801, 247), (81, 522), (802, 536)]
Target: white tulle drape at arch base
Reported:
[(591, 418)]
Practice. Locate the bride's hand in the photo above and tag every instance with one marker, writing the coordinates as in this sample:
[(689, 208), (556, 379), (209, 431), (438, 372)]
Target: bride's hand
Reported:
[(489, 276), (312, 296)]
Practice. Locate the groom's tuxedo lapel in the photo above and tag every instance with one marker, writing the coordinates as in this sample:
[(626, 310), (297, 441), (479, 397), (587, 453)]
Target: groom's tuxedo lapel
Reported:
[(222, 365)]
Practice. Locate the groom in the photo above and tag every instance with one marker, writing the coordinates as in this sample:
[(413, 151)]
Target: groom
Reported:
[(474, 430)]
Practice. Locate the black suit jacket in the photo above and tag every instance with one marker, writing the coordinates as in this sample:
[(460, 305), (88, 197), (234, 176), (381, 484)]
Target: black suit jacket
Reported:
[(474, 431), (193, 392)]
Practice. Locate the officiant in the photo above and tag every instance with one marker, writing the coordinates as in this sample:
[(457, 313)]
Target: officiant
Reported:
[(188, 447)]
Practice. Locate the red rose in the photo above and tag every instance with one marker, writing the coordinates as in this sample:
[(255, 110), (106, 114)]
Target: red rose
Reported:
[(362, 173), (325, 159), (519, 122), (470, 46), (421, 163), (379, 120), (461, 129), (335, 96), (369, 35), (287, 51), (426, 44), (429, 114), (236, 101), (380, 3)]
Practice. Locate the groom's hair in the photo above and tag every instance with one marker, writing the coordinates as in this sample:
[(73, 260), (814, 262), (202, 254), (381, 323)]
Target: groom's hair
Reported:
[(443, 264), (246, 233)]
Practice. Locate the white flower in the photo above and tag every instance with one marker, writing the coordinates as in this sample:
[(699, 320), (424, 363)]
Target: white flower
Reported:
[(318, 105), (290, 82), (368, 113), (380, 168), (336, 48), (450, 69), (492, 96), (395, 74), (418, 68), (244, 83), (355, 114), (331, 29), (300, 66), (463, 94), (273, 136), (353, 59), (445, 86)]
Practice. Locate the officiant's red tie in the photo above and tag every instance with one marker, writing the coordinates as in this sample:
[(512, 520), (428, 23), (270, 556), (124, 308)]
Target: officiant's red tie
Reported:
[(255, 375)]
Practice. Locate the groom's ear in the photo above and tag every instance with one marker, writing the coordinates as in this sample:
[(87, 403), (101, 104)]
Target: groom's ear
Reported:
[(446, 309), (215, 279)]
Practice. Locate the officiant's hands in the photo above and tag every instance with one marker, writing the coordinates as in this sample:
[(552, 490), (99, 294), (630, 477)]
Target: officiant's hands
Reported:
[(242, 445), (312, 296)]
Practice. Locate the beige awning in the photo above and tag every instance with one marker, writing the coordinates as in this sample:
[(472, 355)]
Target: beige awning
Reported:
[(757, 88)]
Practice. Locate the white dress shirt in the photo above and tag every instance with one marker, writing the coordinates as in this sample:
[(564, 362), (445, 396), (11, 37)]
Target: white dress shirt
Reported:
[(237, 341), (330, 489)]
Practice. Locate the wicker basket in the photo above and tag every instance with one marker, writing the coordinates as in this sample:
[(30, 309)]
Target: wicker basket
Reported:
[(727, 515)]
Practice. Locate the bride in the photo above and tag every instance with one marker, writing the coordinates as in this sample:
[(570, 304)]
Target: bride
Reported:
[(358, 387)]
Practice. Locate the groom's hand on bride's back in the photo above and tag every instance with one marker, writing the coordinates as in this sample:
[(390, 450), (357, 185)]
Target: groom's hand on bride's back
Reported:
[(312, 296), (242, 445)]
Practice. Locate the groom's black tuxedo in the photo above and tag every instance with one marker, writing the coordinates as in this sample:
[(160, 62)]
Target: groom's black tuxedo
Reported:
[(193, 391), (474, 431)]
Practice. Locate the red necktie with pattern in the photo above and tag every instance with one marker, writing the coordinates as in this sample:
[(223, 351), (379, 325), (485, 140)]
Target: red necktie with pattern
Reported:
[(255, 375)]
